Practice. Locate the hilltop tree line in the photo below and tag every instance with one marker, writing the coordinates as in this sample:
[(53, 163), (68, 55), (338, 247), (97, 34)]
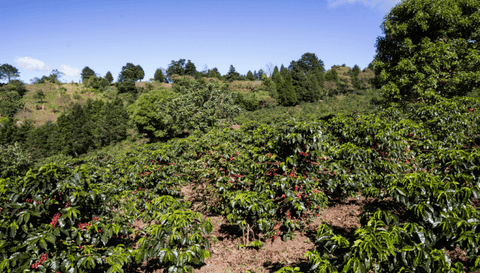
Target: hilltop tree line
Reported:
[(304, 80)]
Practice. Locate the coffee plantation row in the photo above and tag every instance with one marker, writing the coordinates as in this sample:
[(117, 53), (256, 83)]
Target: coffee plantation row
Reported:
[(421, 165)]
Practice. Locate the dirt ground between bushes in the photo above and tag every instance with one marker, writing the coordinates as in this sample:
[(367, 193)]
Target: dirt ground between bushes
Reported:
[(226, 257)]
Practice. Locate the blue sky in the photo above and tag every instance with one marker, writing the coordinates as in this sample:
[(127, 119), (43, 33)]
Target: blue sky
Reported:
[(38, 36)]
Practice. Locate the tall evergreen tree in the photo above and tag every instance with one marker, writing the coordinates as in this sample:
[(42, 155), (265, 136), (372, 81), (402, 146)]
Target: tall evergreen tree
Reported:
[(308, 63), (81, 137), (275, 71), (271, 87), (113, 124), (277, 78), (37, 141), (299, 80), (250, 76), (313, 88), (354, 76), (190, 69), (232, 75), (290, 96), (279, 83), (429, 51), (109, 77)]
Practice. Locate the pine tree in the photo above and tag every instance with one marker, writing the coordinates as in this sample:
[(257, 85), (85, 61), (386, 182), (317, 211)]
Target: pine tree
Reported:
[(37, 142), (284, 71), (250, 76), (289, 92), (271, 87), (313, 88), (109, 77), (232, 75), (279, 83), (275, 72), (190, 69), (354, 76), (81, 138), (299, 80)]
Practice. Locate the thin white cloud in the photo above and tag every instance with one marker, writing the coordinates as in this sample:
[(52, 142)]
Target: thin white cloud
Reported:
[(384, 4), (28, 63), (70, 70)]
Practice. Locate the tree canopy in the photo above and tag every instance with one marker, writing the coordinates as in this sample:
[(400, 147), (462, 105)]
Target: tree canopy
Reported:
[(8, 71), (87, 72), (250, 76), (354, 76), (232, 75), (190, 69), (109, 77), (10, 102), (164, 114), (159, 77), (140, 74), (131, 73), (429, 51), (176, 68)]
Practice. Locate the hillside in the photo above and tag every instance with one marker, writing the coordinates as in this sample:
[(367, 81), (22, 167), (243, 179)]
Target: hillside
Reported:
[(61, 97), (399, 188), (344, 82)]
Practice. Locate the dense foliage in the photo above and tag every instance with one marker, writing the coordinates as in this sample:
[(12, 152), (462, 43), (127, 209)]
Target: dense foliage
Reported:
[(13, 160), (54, 77), (87, 73), (420, 165), (430, 50), (93, 125), (8, 72), (163, 114), (11, 96)]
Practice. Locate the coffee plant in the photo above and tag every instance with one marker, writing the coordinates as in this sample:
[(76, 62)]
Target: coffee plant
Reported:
[(112, 211)]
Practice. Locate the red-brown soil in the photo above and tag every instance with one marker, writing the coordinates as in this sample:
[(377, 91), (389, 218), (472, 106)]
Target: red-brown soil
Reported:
[(226, 256)]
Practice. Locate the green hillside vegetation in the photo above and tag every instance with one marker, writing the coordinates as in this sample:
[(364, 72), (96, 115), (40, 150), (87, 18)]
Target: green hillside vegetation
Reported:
[(343, 82), (61, 97), (304, 170)]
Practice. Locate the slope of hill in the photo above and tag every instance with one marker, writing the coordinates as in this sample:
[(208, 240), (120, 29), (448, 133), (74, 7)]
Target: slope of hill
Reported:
[(344, 83), (61, 97)]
